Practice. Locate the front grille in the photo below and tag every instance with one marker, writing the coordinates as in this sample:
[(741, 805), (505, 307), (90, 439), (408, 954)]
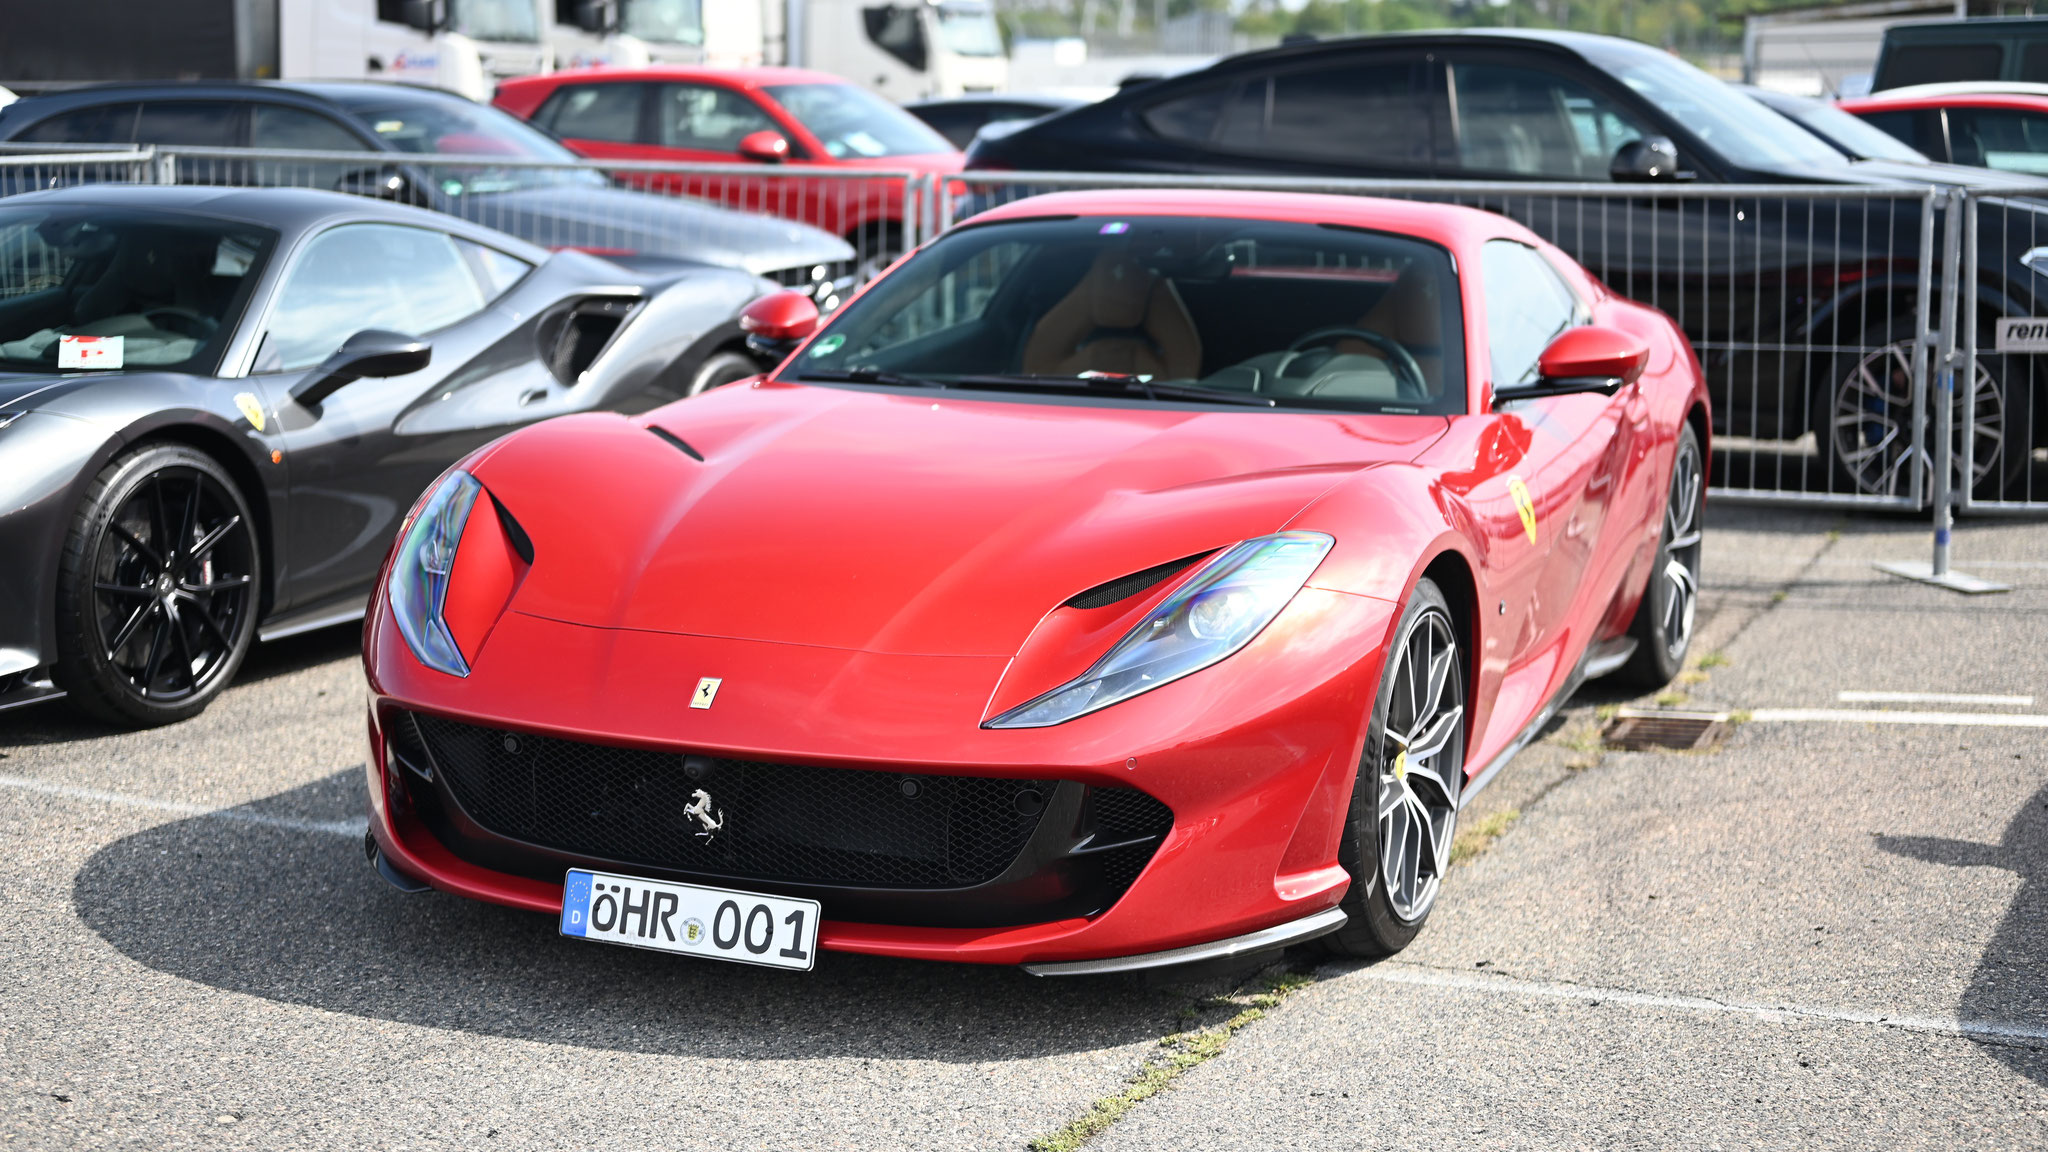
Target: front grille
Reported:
[(791, 822), (1136, 822)]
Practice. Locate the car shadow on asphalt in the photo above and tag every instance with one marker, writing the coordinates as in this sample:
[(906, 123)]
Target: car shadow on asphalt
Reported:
[(295, 915), (56, 722), (2007, 987)]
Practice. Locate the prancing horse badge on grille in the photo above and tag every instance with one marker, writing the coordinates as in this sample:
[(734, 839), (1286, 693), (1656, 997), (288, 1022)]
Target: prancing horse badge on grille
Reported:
[(707, 690), (711, 818)]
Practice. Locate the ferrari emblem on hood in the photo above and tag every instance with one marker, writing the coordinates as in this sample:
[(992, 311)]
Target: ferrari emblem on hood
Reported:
[(707, 691)]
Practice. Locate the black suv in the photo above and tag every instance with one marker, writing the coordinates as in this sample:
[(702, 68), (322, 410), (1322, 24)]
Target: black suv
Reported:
[(1802, 310)]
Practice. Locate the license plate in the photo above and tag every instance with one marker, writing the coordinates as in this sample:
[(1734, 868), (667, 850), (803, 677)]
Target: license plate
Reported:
[(715, 923)]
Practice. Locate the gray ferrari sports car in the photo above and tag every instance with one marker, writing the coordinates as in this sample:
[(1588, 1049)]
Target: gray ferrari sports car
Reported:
[(216, 405)]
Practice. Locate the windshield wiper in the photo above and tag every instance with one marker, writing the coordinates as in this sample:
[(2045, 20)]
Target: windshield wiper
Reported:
[(1113, 382), (871, 376)]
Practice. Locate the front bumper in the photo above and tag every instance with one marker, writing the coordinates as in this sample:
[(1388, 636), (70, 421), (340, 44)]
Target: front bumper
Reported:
[(1255, 759)]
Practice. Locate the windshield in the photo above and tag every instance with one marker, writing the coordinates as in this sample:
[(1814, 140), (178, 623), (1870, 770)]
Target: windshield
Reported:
[(854, 123), (495, 19), (92, 288), (665, 21), (1732, 124), (968, 29), (457, 127), (1858, 138), (1298, 314)]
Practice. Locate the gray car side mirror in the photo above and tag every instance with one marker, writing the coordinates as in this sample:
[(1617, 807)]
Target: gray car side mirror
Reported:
[(1653, 159), (371, 352)]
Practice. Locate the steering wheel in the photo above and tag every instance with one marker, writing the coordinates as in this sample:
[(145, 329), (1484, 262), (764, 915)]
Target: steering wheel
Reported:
[(1407, 373), (186, 322)]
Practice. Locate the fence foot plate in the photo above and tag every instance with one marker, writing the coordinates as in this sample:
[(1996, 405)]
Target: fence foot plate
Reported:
[(1952, 580)]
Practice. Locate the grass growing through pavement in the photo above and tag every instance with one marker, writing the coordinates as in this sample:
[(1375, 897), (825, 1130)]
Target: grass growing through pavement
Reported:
[(1178, 1053), (1478, 836)]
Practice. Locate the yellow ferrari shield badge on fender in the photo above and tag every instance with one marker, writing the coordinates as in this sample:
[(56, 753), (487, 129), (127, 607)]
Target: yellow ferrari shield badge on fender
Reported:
[(1523, 505), (252, 409)]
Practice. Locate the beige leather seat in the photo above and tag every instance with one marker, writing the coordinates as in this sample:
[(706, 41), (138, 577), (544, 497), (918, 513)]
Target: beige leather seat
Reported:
[(1119, 318), (1412, 314)]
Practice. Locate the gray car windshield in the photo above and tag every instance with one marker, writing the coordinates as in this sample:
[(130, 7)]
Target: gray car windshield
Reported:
[(854, 123), (1732, 124), (1169, 309), (93, 289), (457, 127)]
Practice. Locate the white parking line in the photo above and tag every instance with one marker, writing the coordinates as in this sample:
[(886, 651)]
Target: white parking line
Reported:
[(354, 828), (1933, 698), (1394, 973), (1876, 716)]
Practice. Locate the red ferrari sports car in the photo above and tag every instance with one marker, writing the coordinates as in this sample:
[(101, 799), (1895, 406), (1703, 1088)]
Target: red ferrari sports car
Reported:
[(1123, 579)]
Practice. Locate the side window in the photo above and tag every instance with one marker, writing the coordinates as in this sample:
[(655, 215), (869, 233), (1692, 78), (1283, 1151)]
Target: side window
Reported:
[(897, 30), (1527, 305), (1903, 125), (1941, 63), (1533, 123), (606, 112), (2002, 138), (106, 124), (276, 126), (1190, 118), (2034, 63), (1360, 113), (493, 269), (194, 123), (367, 276), (706, 118)]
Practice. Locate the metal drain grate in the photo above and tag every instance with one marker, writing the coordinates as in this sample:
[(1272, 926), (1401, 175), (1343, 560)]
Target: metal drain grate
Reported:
[(1637, 730)]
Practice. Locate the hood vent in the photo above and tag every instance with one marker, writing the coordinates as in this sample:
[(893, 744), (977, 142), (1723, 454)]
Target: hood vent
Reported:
[(676, 441), (1125, 587)]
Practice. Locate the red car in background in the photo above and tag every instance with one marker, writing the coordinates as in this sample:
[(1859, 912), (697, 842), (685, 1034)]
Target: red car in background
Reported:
[(1983, 125), (1123, 580), (738, 115)]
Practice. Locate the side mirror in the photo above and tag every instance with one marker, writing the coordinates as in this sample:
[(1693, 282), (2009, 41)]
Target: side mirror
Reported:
[(386, 183), (776, 323), (425, 15), (371, 352), (1587, 359), (597, 17), (765, 146), (1651, 160)]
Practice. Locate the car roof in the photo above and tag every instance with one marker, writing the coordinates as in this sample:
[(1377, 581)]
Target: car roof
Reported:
[(1583, 44), (1450, 225), (973, 99), (724, 77), (1976, 93), (289, 210), (335, 93)]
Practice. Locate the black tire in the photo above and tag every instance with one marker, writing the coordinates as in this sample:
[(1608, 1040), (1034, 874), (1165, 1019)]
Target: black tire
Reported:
[(1865, 413), (1388, 903), (1663, 624), (158, 588), (719, 369)]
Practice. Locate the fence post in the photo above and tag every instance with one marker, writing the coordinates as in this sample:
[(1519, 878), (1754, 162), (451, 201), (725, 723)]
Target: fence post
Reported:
[(1967, 467), (1924, 337), (165, 170), (1957, 266)]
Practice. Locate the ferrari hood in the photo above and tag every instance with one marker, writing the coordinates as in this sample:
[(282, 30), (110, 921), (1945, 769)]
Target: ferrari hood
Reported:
[(909, 524)]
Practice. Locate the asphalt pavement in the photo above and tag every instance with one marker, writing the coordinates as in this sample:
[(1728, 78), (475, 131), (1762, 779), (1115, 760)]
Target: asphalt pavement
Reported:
[(1829, 931)]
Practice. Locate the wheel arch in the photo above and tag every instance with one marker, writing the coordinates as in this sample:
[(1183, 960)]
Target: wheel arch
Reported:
[(1452, 573)]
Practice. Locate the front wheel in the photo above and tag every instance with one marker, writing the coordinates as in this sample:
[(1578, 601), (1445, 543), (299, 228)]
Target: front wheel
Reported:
[(1663, 623), (1404, 806), (158, 588), (720, 369)]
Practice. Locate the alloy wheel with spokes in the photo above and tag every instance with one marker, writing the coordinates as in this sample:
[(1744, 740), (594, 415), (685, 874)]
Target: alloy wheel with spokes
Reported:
[(1870, 424), (1404, 807), (159, 590)]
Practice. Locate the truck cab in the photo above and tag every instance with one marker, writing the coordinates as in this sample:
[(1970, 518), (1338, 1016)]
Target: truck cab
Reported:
[(643, 33), (465, 46), (2004, 48), (903, 49)]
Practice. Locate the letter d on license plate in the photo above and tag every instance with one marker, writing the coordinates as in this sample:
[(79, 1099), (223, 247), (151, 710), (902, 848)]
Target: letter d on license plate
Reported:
[(715, 923)]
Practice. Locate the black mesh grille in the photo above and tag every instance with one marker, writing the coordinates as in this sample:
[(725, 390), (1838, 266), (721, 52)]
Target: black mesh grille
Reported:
[(1127, 814), (789, 822)]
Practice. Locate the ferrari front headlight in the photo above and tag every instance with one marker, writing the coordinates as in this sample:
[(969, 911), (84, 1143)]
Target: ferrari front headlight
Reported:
[(1217, 611), (418, 590)]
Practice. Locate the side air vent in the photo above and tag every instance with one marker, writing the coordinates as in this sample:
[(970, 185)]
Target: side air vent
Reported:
[(1124, 587), (572, 337), (675, 441)]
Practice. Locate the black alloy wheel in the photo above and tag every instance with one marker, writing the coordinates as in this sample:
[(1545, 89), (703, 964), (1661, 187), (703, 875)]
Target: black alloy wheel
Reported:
[(1867, 427), (1663, 623), (1404, 806), (158, 589)]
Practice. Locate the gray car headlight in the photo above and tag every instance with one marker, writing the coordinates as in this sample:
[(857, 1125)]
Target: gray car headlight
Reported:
[(419, 573), (1217, 611)]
